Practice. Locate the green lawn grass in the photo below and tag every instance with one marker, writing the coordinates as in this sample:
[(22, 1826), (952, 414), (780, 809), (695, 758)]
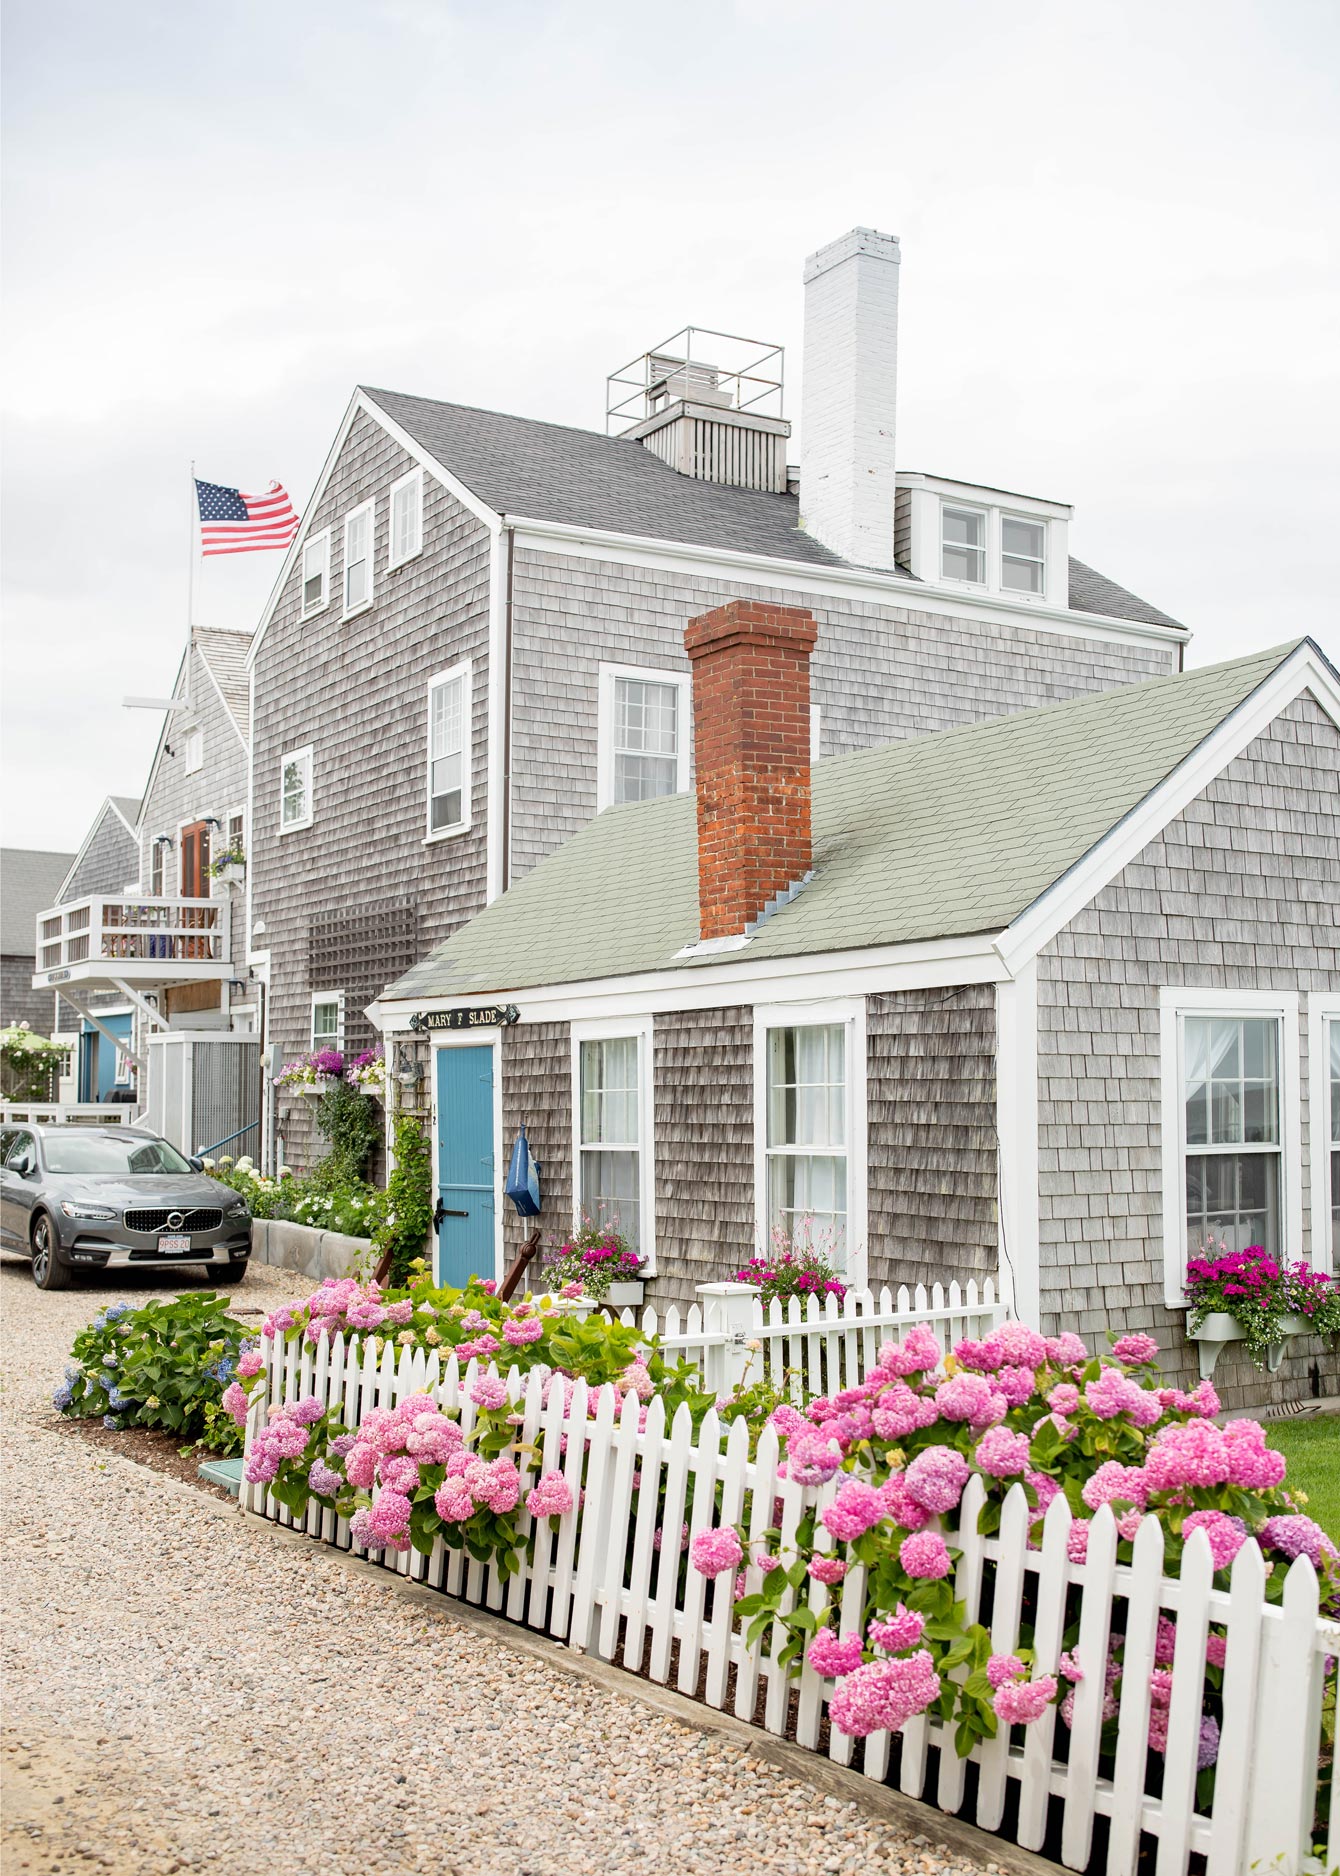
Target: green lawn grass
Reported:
[(1312, 1448)]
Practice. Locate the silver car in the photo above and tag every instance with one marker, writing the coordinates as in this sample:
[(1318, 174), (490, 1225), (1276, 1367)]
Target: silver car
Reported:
[(114, 1198)]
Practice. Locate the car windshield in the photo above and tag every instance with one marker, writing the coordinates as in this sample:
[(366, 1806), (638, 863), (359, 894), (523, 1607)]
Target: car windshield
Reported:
[(97, 1153)]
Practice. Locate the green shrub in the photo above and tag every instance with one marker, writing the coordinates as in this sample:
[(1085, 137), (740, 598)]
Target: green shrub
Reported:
[(407, 1217), (165, 1365), (352, 1124)]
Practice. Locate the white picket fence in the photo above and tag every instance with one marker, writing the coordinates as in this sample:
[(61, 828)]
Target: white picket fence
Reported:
[(604, 1584), (822, 1344)]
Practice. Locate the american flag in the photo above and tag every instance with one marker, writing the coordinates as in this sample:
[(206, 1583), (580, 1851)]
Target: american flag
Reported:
[(234, 523)]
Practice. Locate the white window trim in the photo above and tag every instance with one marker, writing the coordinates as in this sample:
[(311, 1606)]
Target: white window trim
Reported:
[(1323, 1008), (415, 475), (966, 508), (850, 1011), (321, 540), (1175, 1002), (193, 744), (369, 509), (326, 996), (993, 586), (297, 755), (1031, 521), (646, 674), (465, 671), (602, 1030)]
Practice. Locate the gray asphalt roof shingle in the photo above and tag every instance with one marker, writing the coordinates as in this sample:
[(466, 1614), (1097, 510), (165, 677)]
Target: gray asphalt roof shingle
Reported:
[(552, 472), (939, 837), (29, 882)]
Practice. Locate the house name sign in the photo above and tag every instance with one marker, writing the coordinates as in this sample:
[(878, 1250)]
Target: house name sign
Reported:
[(492, 1016)]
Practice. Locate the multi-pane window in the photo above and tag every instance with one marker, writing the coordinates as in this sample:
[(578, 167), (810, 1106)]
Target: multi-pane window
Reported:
[(963, 545), (1231, 1104), (406, 517), (610, 1133), (315, 573), (358, 558), (807, 1105), (448, 750), (156, 867), (1023, 555), (646, 739), (235, 826), (295, 790), (327, 1022)]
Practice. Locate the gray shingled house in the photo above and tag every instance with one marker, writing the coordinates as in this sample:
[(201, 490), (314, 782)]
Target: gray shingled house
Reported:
[(144, 940), (475, 642), (1049, 998), (28, 879)]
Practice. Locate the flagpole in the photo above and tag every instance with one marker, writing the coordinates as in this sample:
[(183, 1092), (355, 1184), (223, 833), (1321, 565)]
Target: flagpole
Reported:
[(190, 565)]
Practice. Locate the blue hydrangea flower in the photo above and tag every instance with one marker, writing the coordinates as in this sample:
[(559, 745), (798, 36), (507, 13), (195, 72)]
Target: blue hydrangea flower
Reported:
[(116, 1399), (63, 1396), (110, 1359), (116, 1311), (112, 1424)]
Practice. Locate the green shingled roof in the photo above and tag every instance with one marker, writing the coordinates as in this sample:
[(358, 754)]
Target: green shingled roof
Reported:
[(939, 837)]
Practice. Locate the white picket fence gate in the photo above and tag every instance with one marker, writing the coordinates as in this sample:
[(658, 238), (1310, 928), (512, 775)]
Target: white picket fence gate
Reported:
[(824, 1345), (604, 1584)]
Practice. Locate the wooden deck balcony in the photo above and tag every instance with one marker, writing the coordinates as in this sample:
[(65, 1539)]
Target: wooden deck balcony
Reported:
[(107, 942)]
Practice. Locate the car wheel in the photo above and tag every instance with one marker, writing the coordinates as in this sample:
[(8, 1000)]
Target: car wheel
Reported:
[(229, 1273), (49, 1273)]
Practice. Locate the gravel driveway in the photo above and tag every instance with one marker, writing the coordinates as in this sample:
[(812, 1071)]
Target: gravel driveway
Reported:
[(185, 1692)]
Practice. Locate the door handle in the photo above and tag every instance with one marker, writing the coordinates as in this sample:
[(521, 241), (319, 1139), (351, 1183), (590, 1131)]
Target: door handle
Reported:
[(442, 1211)]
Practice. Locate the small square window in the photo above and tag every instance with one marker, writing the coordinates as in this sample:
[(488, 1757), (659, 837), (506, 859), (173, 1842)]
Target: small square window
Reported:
[(406, 518), (358, 559), (1023, 557), (963, 545), (316, 573), (295, 790)]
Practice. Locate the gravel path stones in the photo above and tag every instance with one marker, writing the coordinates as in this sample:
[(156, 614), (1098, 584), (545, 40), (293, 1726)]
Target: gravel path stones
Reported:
[(185, 1693)]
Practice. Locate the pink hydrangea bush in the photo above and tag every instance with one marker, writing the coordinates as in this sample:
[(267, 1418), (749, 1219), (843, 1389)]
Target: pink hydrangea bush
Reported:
[(1015, 1408)]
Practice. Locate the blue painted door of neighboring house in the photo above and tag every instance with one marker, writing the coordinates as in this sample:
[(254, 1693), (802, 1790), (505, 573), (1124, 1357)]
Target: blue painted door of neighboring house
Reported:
[(465, 1164), (97, 1057)]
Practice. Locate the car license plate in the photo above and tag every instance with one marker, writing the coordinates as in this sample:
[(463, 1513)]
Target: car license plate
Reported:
[(174, 1246)]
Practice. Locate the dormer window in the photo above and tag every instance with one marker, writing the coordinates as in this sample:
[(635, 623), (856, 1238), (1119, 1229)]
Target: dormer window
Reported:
[(1023, 555), (963, 545)]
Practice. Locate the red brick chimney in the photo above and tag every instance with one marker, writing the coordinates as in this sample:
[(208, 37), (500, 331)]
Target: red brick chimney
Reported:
[(751, 741)]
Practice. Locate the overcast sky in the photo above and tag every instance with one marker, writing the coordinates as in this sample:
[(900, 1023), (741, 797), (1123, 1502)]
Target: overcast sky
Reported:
[(1119, 280)]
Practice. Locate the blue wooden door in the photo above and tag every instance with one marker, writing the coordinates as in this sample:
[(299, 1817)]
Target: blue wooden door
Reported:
[(465, 1164)]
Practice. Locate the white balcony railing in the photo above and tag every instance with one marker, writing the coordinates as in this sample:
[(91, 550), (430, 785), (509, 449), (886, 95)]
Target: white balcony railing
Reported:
[(151, 940)]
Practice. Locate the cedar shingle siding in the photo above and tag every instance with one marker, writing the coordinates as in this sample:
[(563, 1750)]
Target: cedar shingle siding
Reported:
[(930, 1117), (1239, 891), (704, 1149), (357, 691), (111, 860), (879, 674), (218, 788), (537, 1095)]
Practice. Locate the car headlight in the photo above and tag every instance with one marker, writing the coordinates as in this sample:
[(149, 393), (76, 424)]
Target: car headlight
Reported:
[(237, 1210), (72, 1210)]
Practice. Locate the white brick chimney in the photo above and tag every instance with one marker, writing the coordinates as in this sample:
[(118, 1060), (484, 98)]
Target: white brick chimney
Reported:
[(849, 396)]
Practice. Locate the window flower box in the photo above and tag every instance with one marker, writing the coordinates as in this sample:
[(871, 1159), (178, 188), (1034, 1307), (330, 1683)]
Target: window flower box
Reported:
[(231, 873), (626, 1295), (1219, 1329)]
